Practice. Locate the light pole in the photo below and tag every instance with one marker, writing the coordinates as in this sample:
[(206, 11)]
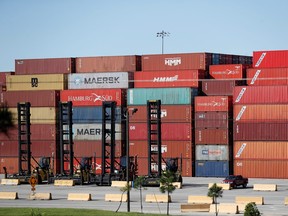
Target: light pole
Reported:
[(163, 34)]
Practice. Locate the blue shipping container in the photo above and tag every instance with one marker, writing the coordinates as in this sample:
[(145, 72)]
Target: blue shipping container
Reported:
[(212, 168)]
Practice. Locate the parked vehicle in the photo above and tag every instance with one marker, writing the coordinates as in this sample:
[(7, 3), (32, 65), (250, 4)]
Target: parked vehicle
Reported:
[(236, 180)]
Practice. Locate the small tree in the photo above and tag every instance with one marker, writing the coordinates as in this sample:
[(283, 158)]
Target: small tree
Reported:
[(166, 181), (138, 184), (251, 210), (123, 189), (215, 191)]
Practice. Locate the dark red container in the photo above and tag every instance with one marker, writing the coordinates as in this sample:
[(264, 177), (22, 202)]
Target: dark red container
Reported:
[(168, 149), (3, 77), (212, 136), (8, 148), (93, 97), (260, 95), (227, 71), (43, 98), (170, 131), (11, 164), (271, 58), (213, 103), (169, 113), (169, 79), (219, 87), (212, 120), (45, 66), (253, 131), (180, 61), (267, 76), (108, 64)]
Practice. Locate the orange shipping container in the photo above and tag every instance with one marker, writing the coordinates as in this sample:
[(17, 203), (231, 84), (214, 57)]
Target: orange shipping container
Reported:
[(267, 76), (213, 103), (227, 71), (212, 136)]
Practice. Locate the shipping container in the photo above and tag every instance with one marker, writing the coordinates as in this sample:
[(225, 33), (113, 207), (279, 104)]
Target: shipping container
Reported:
[(260, 131), (36, 82), (169, 131), (267, 76), (168, 148), (3, 77), (128, 63), (270, 58), (219, 87), (9, 148), (168, 96), (94, 97), (122, 80), (260, 112), (96, 164), (168, 79), (228, 71), (260, 150), (212, 168), (212, 136), (260, 95), (213, 120), (11, 164), (261, 168), (169, 113), (45, 66), (48, 98), (213, 153), (213, 103)]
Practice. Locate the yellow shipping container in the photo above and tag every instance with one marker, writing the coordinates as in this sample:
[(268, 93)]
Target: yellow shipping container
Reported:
[(39, 115), (36, 82)]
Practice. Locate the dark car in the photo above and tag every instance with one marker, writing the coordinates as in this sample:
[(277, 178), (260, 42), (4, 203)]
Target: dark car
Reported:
[(236, 180)]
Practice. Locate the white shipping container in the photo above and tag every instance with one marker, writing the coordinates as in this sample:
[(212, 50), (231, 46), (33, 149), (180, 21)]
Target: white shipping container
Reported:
[(212, 152)]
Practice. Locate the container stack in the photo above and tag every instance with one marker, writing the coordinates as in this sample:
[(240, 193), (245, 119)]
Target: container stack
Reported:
[(3, 80), (261, 118)]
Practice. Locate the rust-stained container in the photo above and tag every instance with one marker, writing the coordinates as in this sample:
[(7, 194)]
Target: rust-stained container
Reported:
[(48, 98), (212, 136), (219, 87), (3, 77), (270, 58), (212, 120), (227, 71), (169, 131), (260, 131), (169, 149), (264, 150), (213, 152), (267, 76), (45, 66), (11, 164), (261, 168), (213, 103), (93, 97), (163, 79), (260, 112), (169, 113), (260, 95), (39, 115), (129, 63), (143, 166), (36, 82), (180, 61)]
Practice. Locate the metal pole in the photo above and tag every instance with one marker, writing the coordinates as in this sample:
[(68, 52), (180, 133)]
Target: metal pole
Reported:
[(127, 160), (162, 42)]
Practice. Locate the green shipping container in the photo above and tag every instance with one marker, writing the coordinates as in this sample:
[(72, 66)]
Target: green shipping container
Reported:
[(139, 96)]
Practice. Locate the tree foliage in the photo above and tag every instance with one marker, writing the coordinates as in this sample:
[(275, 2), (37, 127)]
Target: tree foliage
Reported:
[(215, 191), (166, 184), (251, 210), (6, 119)]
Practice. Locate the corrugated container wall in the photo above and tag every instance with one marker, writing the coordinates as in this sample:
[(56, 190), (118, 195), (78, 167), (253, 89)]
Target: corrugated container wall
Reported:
[(3, 77), (219, 87), (267, 76), (227, 71), (108, 64), (45, 66), (212, 136), (213, 103), (271, 58), (212, 168), (212, 152), (212, 120)]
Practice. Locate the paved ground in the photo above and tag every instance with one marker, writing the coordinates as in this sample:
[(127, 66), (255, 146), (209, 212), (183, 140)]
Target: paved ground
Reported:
[(273, 201)]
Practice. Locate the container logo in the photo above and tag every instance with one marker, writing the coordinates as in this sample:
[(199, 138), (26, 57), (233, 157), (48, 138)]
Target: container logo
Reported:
[(93, 97), (241, 113), (34, 82), (165, 79), (211, 152), (173, 61), (90, 131), (241, 93), (162, 115), (255, 76), (260, 59), (240, 150), (163, 148)]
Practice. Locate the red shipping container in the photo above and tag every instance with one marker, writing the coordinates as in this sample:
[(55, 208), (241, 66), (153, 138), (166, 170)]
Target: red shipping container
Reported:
[(271, 58), (45, 66), (93, 97), (261, 168), (170, 131), (261, 112), (11, 164), (212, 136), (180, 61), (128, 63), (260, 95), (96, 164), (213, 103), (227, 71), (160, 79), (259, 131), (168, 148), (267, 76), (212, 120), (169, 113), (3, 77), (219, 87), (44, 98)]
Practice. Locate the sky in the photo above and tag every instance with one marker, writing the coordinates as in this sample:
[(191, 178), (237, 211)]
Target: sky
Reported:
[(77, 28)]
